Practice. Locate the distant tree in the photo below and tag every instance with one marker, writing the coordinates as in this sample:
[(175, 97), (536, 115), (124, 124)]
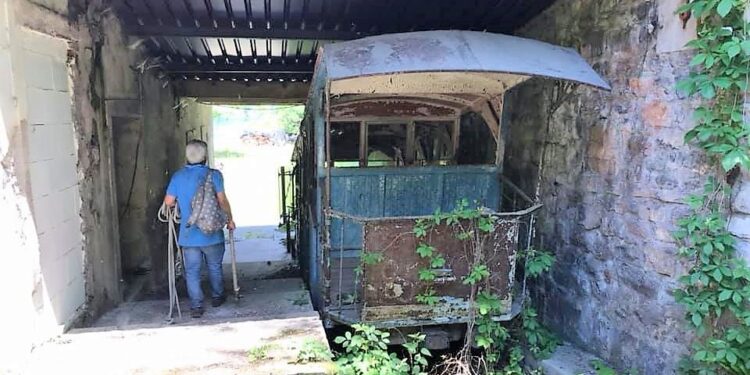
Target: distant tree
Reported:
[(290, 118)]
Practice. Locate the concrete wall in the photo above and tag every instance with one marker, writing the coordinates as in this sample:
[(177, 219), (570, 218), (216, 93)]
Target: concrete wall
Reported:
[(52, 161), (195, 122), (615, 172), (141, 111), (21, 263), (68, 77)]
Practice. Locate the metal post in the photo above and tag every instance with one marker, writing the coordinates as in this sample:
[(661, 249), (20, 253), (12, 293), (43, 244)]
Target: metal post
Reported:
[(284, 215)]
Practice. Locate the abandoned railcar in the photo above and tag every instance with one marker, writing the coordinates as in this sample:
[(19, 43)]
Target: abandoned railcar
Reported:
[(396, 127)]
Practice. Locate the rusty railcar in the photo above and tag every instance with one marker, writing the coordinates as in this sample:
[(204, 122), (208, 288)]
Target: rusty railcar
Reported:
[(396, 127)]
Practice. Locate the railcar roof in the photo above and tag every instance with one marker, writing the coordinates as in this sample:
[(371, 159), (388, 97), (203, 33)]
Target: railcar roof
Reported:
[(492, 63)]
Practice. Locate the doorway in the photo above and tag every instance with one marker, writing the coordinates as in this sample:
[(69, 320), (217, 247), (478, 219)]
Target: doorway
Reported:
[(252, 146)]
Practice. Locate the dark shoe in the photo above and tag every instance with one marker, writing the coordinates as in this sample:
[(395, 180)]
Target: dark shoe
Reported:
[(196, 313), (218, 301)]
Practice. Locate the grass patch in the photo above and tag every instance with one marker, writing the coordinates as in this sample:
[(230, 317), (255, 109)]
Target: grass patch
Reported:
[(300, 300), (228, 154), (259, 353), (313, 350)]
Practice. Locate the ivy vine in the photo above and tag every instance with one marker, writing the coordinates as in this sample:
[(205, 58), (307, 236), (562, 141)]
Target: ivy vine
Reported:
[(716, 289), (501, 345)]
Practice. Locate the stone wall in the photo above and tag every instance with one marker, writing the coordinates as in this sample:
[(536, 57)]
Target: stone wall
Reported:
[(615, 172)]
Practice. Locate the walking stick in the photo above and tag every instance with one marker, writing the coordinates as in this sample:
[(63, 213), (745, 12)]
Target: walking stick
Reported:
[(235, 284)]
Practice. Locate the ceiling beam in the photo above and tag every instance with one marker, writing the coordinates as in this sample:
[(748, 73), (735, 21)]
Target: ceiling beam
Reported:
[(241, 32), (181, 68), (244, 93)]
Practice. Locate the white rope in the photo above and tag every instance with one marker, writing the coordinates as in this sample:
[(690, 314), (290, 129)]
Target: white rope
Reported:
[(171, 216)]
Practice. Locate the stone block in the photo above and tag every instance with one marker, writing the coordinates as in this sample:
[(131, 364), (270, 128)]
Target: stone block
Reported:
[(68, 204), (38, 70), (739, 225), (743, 249), (68, 235), (41, 178), (661, 259), (74, 260), (60, 76), (42, 222), (48, 142), (741, 201), (54, 271), (656, 114), (674, 34), (48, 107)]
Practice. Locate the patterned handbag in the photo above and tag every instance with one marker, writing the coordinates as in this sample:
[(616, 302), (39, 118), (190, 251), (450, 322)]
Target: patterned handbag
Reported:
[(206, 212)]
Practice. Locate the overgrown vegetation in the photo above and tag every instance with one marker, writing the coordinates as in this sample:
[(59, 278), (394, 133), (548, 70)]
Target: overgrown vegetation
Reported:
[(501, 346), (716, 289), (260, 352), (314, 351), (366, 353), (228, 154), (285, 117)]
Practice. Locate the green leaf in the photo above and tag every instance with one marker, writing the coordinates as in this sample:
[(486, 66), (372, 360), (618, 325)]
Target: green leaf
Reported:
[(734, 50), (697, 320), (737, 298), (707, 91), (425, 250), (736, 156), (717, 275), (724, 7), (745, 45), (731, 358), (725, 295), (698, 59)]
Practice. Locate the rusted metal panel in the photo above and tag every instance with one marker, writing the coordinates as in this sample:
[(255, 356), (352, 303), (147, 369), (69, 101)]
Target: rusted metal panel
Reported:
[(455, 51), (392, 108), (391, 286)]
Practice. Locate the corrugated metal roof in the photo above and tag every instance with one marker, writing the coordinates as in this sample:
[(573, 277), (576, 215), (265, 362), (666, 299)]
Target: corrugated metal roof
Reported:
[(277, 39)]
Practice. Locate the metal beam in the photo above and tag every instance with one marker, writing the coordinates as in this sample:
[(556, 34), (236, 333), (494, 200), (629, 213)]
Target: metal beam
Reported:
[(241, 32), (243, 93), (221, 68)]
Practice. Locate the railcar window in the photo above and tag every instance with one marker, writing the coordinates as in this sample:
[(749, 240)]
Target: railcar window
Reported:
[(386, 145), (476, 144), (433, 143), (345, 144)]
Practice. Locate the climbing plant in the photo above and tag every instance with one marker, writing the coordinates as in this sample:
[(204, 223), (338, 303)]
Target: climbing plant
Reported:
[(501, 346), (716, 289), (365, 352)]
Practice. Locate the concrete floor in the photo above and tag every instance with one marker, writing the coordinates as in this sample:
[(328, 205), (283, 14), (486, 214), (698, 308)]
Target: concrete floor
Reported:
[(259, 244), (135, 338)]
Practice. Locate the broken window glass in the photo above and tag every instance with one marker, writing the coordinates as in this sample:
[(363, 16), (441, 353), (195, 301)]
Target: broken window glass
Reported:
[(345, 144), (386, 145), (433, 143)]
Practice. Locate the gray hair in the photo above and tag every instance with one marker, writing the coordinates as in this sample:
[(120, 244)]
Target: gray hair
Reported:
[(196, 152)]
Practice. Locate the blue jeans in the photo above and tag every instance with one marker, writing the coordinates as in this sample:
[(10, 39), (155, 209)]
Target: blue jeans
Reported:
[(213, 254)]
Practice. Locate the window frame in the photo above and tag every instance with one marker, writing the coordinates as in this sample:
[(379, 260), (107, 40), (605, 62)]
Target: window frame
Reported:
[(409, 158)]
